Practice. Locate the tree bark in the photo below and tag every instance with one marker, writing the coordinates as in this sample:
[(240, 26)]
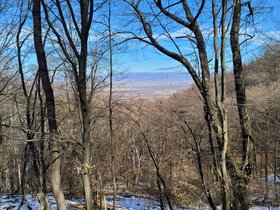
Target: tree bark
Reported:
[(42, 156), (30, 148), (84, 103), (1, 131), (112, 140), (240, 184), (80, 74), (50, 104), (219, 101)]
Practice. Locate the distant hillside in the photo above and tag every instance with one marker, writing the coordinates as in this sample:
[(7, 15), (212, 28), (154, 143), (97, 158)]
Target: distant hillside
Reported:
[(151, 84)]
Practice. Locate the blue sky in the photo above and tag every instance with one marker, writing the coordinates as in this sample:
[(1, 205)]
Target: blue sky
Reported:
[(167, 75), (142, 58), (147, 59)]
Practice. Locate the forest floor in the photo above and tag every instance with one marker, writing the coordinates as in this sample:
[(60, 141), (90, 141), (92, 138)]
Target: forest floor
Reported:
[(131, 201), (123, 202)]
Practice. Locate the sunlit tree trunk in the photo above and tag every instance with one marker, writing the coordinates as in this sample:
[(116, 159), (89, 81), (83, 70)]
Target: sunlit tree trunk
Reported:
[(79, 49), (42, 155)]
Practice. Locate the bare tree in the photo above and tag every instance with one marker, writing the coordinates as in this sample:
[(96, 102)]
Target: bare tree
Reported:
[(164, 194), (248, 154), (8, 21), (77, 56), (50, 104), (187, 129), (156, 19), (112, 140)]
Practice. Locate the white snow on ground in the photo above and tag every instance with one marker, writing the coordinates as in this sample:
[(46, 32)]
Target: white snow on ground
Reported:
[(135, 203), (271, 178), (6, 201), (123, 203)]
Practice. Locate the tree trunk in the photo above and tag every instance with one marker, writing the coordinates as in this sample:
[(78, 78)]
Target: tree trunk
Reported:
[(112, 140), (85, 109), (266, 162), (86, 159), (220, 95), (160, 195), (1, 131), (240, 185), (276, 172), (43, 173), (50, 104), (199, 163), (204, 185), (84, 103), (80, 74)]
